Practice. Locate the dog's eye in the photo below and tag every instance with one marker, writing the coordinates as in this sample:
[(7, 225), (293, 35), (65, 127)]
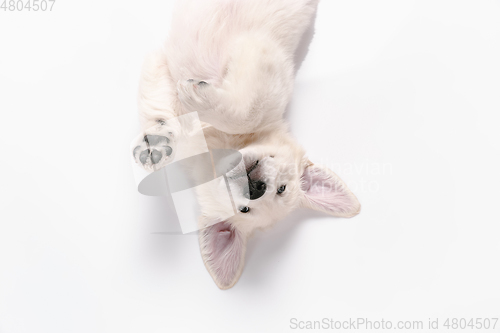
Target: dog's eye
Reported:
[(245, 209), (281, 189)]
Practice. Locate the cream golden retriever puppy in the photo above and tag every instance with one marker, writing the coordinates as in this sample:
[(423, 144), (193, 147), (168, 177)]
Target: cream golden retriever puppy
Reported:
[(232, 61)]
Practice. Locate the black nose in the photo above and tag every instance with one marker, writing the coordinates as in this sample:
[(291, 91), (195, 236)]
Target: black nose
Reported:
[(256, 189)]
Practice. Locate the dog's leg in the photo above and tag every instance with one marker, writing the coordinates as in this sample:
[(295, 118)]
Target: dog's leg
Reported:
[(252, 95), (241, 76), (287, 20), (156, 145)]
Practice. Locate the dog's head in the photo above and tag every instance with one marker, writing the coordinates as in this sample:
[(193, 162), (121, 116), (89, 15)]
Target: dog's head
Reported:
[(275, 179)]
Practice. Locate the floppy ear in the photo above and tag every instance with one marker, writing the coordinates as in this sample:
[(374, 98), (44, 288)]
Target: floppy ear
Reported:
[(223, 252), (326, 192)]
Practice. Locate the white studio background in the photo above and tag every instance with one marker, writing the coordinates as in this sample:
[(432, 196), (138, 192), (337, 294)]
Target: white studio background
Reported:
[(400, 98)]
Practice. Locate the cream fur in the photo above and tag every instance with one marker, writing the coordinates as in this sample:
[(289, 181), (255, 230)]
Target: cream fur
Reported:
[(243, 51)]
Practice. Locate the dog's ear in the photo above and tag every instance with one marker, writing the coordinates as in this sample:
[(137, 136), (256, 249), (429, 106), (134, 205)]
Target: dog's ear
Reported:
[(326, 192), (223, 251)]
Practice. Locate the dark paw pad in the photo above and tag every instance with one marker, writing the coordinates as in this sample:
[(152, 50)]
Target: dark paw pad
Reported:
[(152, 150), (199, 83)]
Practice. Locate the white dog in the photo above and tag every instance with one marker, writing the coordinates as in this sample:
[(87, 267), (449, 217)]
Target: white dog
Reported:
[(232, 62)]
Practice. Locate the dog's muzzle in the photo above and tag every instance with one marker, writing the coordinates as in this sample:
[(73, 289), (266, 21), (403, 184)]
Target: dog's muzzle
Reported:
[(256, 188)]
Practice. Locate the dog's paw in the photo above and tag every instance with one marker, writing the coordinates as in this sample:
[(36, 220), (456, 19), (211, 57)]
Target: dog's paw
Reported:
[(196, 95), (156, 148)]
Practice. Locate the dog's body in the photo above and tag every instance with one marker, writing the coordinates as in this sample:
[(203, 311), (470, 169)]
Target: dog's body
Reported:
[(232, 62)]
